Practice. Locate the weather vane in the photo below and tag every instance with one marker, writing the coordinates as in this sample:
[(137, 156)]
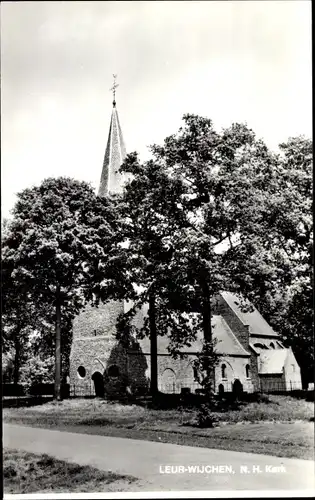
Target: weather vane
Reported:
[(114, 87)]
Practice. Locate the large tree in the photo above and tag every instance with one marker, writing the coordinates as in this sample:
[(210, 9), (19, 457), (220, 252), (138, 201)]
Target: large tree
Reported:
[(290, 221), (193, 213), (51, 252)]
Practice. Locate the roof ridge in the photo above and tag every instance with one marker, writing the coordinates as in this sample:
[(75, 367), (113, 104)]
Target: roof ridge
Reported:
[(254, 322)]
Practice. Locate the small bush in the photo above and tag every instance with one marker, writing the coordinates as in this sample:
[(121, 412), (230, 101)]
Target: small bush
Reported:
[(9, 470), (264, 398), (206, 417)]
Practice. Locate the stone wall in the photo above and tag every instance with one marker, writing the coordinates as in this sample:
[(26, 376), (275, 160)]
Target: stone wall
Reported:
[(97, 355), (177, 374), (94, 345), (95, 348), (97, 321), (235, 369)]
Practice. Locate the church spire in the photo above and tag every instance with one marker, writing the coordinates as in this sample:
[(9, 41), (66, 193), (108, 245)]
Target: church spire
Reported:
[(115, 153)]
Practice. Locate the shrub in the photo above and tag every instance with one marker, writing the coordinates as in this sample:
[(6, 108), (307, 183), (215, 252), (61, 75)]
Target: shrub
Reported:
[(38, 371), (264, 398), (205, 416), (9, 470)]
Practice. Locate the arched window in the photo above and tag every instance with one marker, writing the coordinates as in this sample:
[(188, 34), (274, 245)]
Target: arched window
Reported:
[(113, 371), (272, 345), (223, 371), (247, 371), (81, 372), (167, 381)]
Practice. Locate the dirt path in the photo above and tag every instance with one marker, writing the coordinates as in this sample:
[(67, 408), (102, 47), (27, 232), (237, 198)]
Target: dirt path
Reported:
[(148, 461)]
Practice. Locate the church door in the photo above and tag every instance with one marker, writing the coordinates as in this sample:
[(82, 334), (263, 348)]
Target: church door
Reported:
[(98, 380), (237, 388)]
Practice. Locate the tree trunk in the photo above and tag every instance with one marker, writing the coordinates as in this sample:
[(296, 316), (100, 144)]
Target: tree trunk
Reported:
[(207, 333), (16, 369), (153, 346), (206, 313), (58, 350)]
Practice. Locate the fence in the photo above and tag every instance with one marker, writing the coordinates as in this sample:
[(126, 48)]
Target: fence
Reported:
[(81, 390), (229, 387), (36, 390), (88, 390), (278, 386)]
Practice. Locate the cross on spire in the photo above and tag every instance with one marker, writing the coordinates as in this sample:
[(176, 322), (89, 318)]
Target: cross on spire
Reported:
[(113, 89)]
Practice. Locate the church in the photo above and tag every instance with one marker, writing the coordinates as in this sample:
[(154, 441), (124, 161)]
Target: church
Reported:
[(251, 355)]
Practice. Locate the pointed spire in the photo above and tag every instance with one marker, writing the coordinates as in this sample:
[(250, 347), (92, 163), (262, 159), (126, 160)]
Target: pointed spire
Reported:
[(111, 179)]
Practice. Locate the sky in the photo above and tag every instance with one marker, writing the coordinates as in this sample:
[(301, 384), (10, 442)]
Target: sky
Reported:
[(231, 61)]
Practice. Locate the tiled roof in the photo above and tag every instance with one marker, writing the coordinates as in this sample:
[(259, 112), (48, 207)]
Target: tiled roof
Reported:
[(227, 343), (257, 324), (115, 153), (271, 362)]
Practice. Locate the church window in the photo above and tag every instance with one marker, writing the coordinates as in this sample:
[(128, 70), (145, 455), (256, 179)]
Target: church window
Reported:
[(223, 371), (247, 371), (81, 372), (113, 371), (260, 345), (293, 368)]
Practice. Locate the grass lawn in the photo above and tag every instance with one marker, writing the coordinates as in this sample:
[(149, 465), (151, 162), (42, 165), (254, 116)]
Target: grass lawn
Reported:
[(279, 426), (34, 473)]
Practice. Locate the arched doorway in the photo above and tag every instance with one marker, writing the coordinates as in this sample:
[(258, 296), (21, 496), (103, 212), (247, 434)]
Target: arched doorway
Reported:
[(167, 381), (237, 388), (113, 371), (221, 390), (98, 380)]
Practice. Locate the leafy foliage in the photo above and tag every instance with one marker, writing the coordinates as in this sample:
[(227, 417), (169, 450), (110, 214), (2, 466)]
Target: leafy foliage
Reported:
[(37, 370), (289, 307), (211, 211), (52, 248), (200, 218)]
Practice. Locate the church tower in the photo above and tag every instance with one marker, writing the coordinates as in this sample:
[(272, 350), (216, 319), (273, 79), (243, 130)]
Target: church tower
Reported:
[(94, 345)]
